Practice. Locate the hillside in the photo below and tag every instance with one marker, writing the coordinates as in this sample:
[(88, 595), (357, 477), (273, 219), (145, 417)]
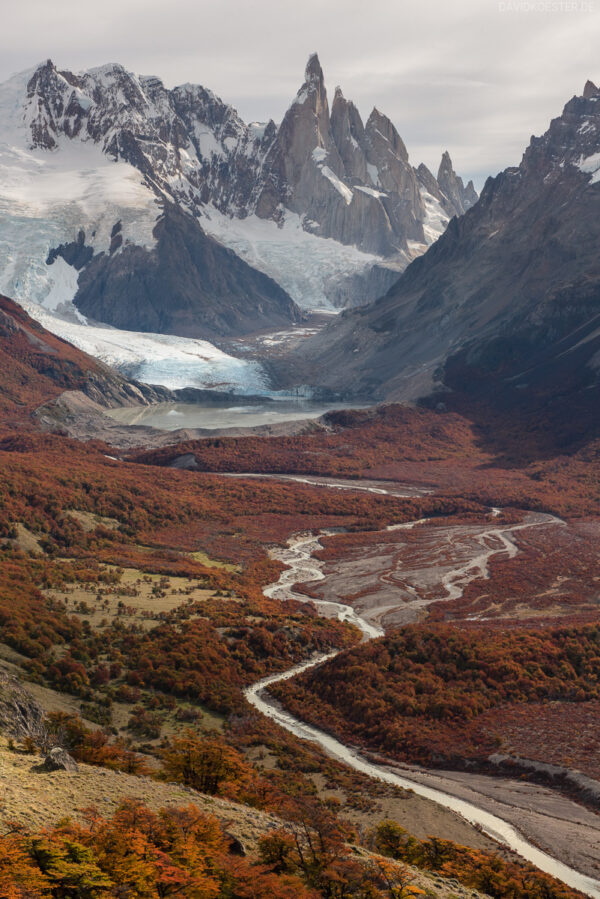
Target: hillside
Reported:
[(37, 367), (133, 608)]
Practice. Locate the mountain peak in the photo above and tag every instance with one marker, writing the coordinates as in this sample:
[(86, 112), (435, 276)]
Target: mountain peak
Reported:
[(381, 128), (506, 300), (590, 90), (347, 183), (383, 123), (313, 71), (453, 187), (42, 71), (445, 164), (313, 88), (379, 121)]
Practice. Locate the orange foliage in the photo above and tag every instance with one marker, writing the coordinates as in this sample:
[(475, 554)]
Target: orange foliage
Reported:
[(482, 871), (420, 694)]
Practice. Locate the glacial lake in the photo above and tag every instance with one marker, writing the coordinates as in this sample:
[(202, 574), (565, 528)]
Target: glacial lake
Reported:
[(172, 416)]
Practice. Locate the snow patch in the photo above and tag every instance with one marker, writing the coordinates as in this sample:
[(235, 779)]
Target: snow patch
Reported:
[(207, 142), (371, 193), (257, 130), (373, 173), (415, 248), (301, 97), (339, 185), (319, 155), (585, 127), (591, 166), (436, 217)]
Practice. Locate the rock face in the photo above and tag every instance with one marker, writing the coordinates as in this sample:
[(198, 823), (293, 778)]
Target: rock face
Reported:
[(22, 718), (452, 187), (349, 181), (20, 715), (510, 291), (143, 260)]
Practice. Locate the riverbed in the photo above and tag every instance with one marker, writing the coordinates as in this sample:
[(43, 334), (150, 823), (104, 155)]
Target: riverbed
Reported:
[(513, 813)]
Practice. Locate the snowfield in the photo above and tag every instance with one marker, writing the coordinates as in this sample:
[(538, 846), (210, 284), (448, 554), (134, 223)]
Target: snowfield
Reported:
[(591, 166), (47, 198), (306, 266)]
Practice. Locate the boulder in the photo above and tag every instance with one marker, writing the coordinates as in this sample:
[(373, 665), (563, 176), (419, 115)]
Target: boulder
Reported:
[(58, 759)]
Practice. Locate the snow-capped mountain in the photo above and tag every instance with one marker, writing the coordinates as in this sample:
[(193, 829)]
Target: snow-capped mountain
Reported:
[(79, 220), (508, 299), (111, 185)]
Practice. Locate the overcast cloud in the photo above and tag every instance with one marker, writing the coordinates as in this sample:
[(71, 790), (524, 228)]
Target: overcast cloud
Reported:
[(476, 77)]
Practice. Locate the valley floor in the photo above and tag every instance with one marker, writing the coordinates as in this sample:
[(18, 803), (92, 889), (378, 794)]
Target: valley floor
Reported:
[(460, 555), (147, 613)]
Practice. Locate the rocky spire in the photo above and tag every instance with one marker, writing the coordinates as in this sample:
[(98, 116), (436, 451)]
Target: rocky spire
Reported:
[(306, 123), (451, 184), (381, 129), (303, 142), (445, 169), (471, 195), (312, 92), (313, 72), (427, 179), (590, 90), (349, 135)]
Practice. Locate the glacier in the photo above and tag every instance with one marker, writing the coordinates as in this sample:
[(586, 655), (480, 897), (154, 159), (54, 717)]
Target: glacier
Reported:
[(306, 266), (172, 362)]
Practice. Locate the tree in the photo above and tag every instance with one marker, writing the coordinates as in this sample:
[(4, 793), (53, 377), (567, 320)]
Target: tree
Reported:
[(70, 869), (277, 851), (201, 763)]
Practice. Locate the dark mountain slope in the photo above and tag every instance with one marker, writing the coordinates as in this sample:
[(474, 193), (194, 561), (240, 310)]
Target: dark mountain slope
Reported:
[(513, 286)]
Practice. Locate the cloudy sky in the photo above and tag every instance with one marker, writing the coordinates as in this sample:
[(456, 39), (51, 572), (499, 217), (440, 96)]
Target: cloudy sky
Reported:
[(476, 77)]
